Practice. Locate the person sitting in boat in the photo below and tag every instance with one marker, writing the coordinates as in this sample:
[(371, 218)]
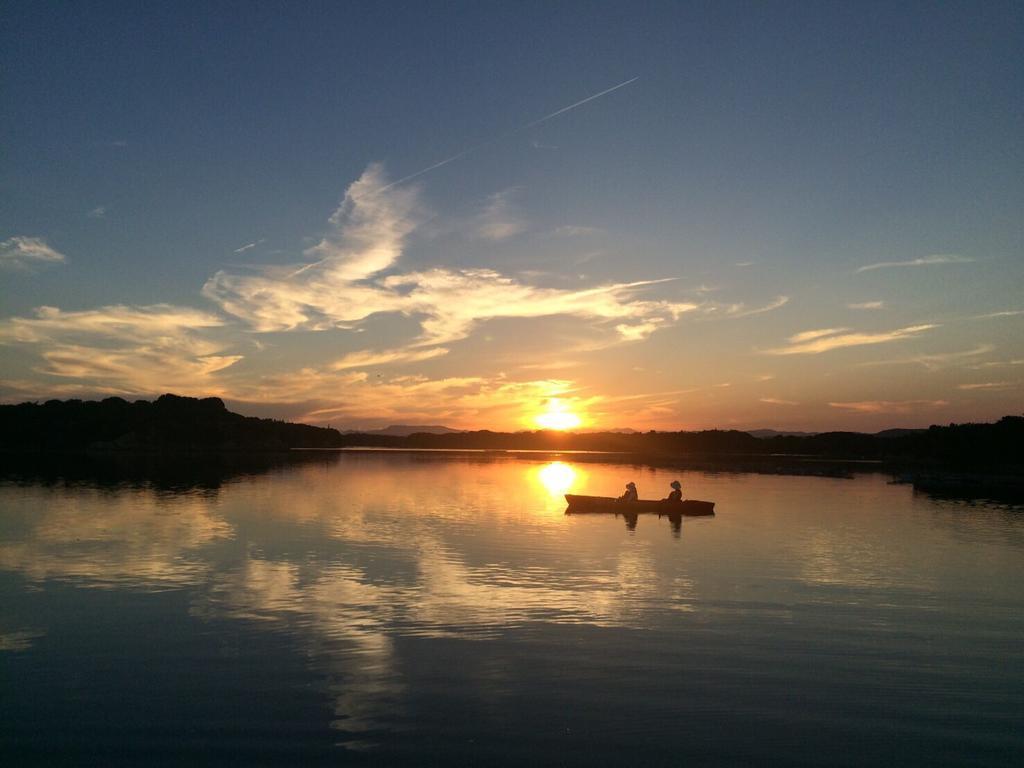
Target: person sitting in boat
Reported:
[(630, 494), (677, 492)]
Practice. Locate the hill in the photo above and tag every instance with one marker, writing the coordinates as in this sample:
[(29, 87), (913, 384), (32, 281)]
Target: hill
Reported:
[(169, 424), (404, 430), (765, 433)]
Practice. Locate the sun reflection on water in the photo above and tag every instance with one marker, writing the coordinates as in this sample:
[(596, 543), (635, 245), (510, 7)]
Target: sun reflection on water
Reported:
[(557, 478)]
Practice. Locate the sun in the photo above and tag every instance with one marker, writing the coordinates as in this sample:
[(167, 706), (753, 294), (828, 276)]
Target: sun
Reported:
[(557, 416)]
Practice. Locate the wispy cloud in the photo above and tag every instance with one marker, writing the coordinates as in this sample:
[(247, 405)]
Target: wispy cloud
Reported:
[(250, 246), (827, 339), (938, 360), (996, 364), (924, 261), (739, 310), (500, 219), (777, 401), (804, 336), (989, 385), (367, 235), (98, 212), (24, 253), (372, 359), (125, 323), (867, 305), (368, 229), (1003, 313), (134, 350), (890, 406)]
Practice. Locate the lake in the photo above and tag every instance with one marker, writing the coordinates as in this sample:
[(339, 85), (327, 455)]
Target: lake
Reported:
[(432, 609)]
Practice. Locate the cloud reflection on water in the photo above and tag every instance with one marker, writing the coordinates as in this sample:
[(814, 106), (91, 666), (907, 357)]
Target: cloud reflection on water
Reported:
[(348, 558)]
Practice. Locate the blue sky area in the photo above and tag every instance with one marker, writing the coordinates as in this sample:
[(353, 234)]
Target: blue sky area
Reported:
[(822, 201)]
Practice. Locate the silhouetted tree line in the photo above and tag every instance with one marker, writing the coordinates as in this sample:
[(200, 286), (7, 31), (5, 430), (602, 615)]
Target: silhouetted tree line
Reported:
[(996, 444), (169, 424), (184, 424)]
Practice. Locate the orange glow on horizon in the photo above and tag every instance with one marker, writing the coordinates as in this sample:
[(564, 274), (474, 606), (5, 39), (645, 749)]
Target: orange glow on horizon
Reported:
[(557, 416)]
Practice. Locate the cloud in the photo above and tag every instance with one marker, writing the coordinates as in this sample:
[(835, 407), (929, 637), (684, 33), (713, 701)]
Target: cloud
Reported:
[(122, 349), (777, 401), (98, 212), (867, 305), (500, 219), (370, 359), (27, 252), (890, 406), (453, 302), (637, 332), (800, 338), (739, 310), (937, 360), (368, 229), (367, 235), (466, 400), (989, 385), (352, 398), (827, 339), (1004, 313), (138, 324), (996, 364), (249, 246), (921, 262)]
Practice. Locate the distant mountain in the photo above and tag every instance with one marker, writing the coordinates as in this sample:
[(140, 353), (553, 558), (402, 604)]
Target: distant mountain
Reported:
[(891, 433), (404, 430), (764, 434)]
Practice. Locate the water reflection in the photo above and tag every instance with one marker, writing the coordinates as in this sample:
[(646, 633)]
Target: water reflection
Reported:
[(559, 478), (134, 538), (357, 559)]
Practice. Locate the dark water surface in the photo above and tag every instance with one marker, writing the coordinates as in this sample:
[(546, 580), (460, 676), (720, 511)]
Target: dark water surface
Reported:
[(421, 609)]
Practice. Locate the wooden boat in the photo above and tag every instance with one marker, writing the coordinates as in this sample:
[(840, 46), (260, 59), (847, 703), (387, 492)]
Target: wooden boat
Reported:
[(688, 507)]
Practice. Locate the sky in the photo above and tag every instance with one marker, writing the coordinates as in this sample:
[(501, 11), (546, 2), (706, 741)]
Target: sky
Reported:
[(800, 216)]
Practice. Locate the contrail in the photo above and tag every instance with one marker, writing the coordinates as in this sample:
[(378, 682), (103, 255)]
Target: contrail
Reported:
[(513, 132), (577, 104)]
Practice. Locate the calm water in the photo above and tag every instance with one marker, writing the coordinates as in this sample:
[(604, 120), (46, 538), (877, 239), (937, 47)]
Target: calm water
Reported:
[(422, 609)]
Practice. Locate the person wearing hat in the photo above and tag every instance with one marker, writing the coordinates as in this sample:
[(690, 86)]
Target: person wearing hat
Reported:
[(677, 492), (630, 494)]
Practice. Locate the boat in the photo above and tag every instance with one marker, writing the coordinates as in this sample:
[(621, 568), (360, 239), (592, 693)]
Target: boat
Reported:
[(688, 507)]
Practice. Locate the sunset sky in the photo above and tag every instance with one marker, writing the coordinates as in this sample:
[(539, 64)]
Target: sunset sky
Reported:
[(664, 216)]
